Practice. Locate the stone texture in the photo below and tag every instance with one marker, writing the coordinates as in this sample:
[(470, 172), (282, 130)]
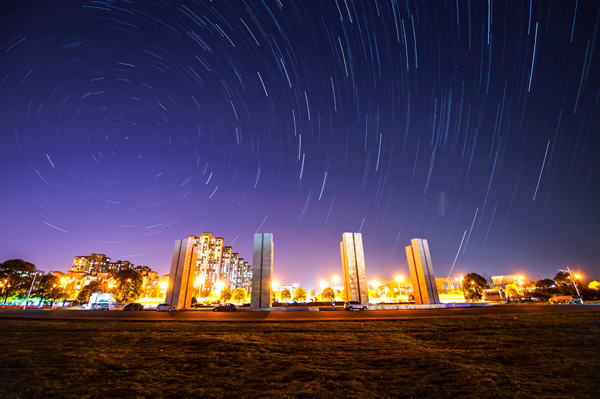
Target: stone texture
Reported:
[(421, 272), (353, 268), (262, 271), (181, 277)]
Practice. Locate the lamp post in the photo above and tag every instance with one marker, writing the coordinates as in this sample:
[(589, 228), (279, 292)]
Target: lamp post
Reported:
[(398, 280), (335, 281)]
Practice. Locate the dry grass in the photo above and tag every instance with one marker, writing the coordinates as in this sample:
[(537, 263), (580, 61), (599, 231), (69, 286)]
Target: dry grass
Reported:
[(529, 356)]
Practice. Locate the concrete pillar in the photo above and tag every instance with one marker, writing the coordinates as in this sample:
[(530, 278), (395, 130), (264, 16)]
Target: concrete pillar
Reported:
[(183, 271), (262, 271), (353, 268), (421, 272)]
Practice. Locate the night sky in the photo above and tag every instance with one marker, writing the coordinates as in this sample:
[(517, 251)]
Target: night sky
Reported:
[(126, 125)]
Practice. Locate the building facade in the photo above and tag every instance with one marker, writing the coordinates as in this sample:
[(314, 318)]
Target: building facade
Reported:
[(215, 263), (100, 263), (92, 263), (98, 267)]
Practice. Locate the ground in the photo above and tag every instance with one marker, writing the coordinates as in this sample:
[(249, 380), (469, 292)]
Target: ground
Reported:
[(529, 356)]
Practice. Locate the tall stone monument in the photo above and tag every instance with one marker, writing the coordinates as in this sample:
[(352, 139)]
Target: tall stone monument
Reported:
[(181, 278), (353, 266), (262, 271), (421, 272)]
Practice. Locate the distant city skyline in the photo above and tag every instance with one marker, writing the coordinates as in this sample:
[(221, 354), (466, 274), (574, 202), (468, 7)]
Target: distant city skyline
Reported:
[(129, 125)]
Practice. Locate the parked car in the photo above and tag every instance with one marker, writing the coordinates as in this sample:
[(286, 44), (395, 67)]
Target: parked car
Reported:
[(101, 306), (229, 307), (199, 305), (165, 307), (133, 306), (351, 305)]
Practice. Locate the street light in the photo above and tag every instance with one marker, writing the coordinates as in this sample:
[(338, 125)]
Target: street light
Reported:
[(398, 280), (519, 282)]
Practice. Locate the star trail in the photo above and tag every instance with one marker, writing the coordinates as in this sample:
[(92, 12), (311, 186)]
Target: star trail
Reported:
[(127, 125)]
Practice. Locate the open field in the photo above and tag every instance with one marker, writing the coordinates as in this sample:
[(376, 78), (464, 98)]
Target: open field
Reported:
[(496, 356)]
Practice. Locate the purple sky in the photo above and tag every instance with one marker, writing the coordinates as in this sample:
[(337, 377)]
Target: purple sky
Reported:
[(127, 125)]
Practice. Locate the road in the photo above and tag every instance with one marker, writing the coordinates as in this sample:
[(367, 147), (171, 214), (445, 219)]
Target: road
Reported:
[(207, 316)]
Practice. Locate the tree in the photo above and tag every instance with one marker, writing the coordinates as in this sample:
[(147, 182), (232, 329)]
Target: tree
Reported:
[(513, 290), (239, 294), (328, 293), (545, 283), (371, 294), (225, 294), (562, 278), (15, 274), (313, 294), (473, 285), (87, 291), (48, 288), (300, 294), (276, 295), (129, 285), (286, 295), (390, 294), (594, 285)]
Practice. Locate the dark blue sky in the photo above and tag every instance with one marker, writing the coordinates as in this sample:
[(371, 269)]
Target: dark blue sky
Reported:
[(127, 125)]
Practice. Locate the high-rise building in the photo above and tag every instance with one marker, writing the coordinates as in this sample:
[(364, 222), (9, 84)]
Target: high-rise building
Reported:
[(92, 263), (217, 263), (208, 266), (100, 263), (240, 275), (118, 266)]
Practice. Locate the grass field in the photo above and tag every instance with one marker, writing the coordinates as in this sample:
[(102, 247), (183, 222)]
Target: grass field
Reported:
[(545, 356)]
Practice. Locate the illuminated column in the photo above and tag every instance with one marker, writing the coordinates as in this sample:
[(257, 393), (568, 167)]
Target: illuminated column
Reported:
[(353, 269), (181, 277), (262, 271), (421, 272)]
